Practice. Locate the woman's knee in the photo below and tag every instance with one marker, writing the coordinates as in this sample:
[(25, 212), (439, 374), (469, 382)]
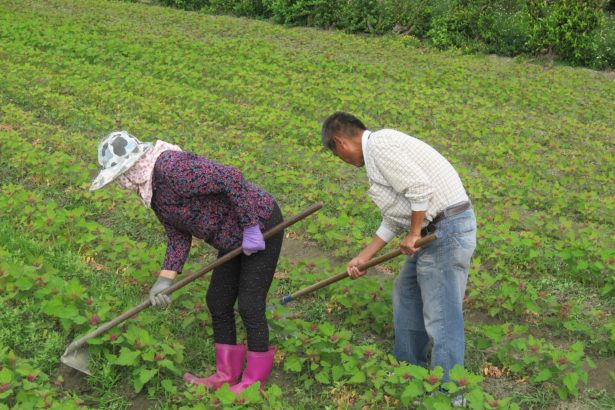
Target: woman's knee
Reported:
[(217, 306), (252, 313)]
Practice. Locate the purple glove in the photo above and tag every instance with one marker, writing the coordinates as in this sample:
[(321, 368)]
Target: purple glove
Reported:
[(253, 240)]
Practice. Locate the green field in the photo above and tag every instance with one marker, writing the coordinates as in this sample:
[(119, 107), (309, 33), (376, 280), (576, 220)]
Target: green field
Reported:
[(533, 144)]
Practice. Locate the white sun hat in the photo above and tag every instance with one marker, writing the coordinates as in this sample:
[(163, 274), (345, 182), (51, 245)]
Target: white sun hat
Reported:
[(117, 152)]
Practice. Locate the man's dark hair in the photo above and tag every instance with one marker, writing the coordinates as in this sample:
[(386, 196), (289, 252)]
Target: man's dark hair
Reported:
[(340, 123)]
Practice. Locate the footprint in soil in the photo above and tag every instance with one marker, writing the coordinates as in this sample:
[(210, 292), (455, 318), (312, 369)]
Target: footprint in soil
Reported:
[(73, 380)]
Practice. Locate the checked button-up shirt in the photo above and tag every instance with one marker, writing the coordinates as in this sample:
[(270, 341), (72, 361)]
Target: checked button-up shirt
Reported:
[(406, 174)]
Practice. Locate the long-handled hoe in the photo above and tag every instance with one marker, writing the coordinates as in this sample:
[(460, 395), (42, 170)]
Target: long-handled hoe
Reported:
[(77, 355), (335, 278)]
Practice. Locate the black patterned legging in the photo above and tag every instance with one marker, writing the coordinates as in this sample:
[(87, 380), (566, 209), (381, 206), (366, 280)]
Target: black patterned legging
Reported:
[(248, 279)]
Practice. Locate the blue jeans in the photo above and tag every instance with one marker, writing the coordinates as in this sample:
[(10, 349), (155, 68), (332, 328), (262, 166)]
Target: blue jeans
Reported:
[(428, 296)]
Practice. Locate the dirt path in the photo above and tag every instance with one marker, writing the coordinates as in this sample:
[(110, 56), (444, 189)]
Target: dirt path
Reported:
[(297, 250)]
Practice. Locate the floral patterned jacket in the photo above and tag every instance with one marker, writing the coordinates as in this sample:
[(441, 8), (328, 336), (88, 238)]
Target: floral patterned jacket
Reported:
[(194, 196)]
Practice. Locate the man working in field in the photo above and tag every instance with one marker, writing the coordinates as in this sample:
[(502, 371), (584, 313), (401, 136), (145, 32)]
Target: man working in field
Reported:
[(418, 191)]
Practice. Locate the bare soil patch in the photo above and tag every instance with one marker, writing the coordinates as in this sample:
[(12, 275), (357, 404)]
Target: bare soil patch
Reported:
[(297, 250)]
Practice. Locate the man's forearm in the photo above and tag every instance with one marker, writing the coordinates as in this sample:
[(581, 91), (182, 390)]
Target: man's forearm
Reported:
[(416, 222), (373, 247), (414, 233)]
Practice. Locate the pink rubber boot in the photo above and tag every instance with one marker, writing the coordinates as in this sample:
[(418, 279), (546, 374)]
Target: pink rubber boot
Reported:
[(229, 362), (258, 369)]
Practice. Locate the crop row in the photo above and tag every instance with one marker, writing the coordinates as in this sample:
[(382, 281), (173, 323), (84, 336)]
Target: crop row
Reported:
[(253, 95), (191, 90), (45, 155), (318, 353), (581, 241), (549, 243), (46, 222)]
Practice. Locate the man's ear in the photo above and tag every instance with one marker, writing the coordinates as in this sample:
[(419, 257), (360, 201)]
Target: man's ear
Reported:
[(339, 141)]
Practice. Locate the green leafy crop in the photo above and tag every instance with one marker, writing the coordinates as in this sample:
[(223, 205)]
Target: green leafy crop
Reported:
[(533, 145)]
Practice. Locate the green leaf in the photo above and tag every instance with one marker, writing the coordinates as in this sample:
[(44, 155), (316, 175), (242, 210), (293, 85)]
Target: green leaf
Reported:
[(144, 375), (252, 394), (74, 287), (476, 399), (337, 372), (457, 372), (127, 357), (6, 376), (56, 307), (225, 395), (327, 329), (450, 387), (563, 393), (544, 375), (168, 386), (169, 365), (357, 378), (168, 350), (135, 333), (417, 372), (516, 367), (96, 341), (390, 390), (293, 364), (274, 392), (148, 356), (571, 380), (187, 322), (323, 377), (78, 319), (24, 283), (411, 391)]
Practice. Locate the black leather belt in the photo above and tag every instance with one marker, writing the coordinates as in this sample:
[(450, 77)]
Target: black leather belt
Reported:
[(448, 212)]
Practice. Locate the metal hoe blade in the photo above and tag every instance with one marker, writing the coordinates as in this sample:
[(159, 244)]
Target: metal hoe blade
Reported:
[(77, 359)]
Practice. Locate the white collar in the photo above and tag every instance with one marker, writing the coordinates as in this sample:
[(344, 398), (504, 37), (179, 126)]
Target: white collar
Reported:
[(364, 139)]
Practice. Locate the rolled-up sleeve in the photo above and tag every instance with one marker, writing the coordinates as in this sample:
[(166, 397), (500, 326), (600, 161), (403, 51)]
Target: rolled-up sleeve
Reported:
[(178, 248), (193, 175), (386, 232), (403, 174)]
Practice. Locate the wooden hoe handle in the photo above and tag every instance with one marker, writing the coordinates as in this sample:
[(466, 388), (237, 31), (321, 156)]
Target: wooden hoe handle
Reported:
[(335, 278)]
